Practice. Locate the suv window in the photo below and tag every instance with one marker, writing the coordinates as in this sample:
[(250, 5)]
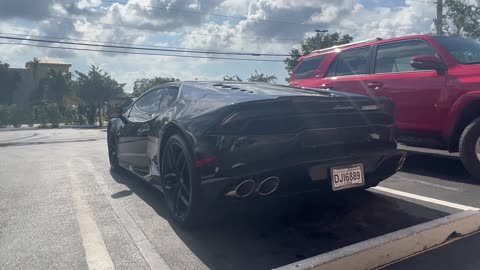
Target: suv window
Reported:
[(147, 104), (169, 97), (307, 67), (395, 57), (350, 62)]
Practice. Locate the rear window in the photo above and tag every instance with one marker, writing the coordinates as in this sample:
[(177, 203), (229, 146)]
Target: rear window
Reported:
[(307, 67), (350, 62)]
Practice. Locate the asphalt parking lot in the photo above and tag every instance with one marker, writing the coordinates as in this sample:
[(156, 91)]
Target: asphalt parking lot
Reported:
[(61, 208)]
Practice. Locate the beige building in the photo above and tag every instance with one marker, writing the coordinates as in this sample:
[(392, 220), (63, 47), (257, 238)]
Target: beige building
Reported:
[(30, 78)]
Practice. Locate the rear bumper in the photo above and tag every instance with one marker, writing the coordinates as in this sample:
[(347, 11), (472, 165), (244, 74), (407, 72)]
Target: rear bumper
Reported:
[(304, 175)]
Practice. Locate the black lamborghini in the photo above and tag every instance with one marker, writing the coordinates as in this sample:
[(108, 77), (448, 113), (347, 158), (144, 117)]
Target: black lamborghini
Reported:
[(200, 142)]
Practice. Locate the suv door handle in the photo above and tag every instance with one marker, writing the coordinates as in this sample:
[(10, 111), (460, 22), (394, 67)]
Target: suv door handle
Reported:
[(375, 85), (326, 86)]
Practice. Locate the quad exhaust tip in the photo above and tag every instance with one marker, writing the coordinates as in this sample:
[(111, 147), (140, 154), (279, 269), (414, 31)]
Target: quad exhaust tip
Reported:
[(243, 189), (249, 186), (268, 185)]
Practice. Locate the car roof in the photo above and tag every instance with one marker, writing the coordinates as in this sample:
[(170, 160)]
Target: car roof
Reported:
[(362, 44)]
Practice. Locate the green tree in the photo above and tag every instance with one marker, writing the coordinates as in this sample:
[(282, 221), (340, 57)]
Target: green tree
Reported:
[(8, 83), (56, 86), (33, 65), (314, 43), (95, 88), (233, 78), (462, 19), (144, 84), (261, 77)]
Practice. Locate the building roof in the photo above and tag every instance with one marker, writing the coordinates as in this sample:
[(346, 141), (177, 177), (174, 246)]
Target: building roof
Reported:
[(54, 61)]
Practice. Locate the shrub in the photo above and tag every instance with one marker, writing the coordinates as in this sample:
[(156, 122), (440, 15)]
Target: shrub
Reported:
[(53, 114), (41, 114)]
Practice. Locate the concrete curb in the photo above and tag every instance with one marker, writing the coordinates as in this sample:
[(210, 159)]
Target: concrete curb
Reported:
[(385, 249), (60, 127), (16, 129)]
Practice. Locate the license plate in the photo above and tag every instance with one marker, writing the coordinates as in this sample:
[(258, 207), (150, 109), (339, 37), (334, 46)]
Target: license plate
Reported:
[(347, 176)]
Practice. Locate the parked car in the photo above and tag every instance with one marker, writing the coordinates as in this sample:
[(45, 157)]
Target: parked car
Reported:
[(434, 82), (199, 142)]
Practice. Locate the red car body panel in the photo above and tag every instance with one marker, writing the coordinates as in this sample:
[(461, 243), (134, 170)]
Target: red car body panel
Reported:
[(426, 102)]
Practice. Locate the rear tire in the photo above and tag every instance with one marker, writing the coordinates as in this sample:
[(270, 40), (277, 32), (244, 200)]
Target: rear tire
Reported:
[(470, 148), (181, 183)]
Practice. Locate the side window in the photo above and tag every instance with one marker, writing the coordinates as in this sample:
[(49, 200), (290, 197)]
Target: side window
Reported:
[(169, 96), (352, 62), (127, 111), (147, 104), (307, 67), (395, 57)]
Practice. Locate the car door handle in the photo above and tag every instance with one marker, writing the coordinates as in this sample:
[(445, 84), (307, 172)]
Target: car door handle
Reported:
[(375, 85), (326, 86), (145, 128)]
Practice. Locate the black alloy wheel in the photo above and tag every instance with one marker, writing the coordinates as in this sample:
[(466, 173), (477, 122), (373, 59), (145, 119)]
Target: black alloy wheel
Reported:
[(179, 183), (112, 153)]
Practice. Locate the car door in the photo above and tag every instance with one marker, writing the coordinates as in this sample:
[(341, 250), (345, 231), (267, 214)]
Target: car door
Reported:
[(165, 114), (415, 93), (132, 145), (349, 70)]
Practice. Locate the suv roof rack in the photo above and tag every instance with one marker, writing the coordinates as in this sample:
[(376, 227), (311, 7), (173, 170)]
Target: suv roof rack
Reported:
[(348, 44)]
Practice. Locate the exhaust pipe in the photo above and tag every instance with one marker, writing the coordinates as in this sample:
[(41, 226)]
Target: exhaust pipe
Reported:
[(243, 189), (268, 186)]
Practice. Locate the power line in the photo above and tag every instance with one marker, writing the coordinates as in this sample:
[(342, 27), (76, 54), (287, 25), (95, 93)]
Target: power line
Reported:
[(139, 48), (141, 53), (98, 41)]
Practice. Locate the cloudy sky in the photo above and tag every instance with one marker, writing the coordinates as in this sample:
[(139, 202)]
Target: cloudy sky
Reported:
[(259, 26)]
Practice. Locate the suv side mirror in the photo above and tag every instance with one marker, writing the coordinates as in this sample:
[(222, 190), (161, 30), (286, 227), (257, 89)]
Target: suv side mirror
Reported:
[(425, 62), (114, 112)]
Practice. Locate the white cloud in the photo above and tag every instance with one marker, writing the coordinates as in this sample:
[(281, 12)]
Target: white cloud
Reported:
[(88, 19)]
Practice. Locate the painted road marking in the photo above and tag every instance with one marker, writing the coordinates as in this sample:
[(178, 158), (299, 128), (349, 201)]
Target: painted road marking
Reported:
[(96, 252), (424, 198), (152, 258), (428, 184)]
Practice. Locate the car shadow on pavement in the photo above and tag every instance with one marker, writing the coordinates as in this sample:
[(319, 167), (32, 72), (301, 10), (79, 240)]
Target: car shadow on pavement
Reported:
[(268, 233), (433, 165)]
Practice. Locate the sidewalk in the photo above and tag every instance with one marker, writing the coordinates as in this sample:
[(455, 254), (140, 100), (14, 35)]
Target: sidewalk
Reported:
[(462, 254)]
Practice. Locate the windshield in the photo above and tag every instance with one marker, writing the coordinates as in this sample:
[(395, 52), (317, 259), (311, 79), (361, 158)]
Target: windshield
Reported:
[(466, 51)]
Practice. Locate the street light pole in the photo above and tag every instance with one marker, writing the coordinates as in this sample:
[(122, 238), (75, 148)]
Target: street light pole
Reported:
[(439, 19), (319, 36)]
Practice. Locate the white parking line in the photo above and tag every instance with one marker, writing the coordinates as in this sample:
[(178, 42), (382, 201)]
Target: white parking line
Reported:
[(146, 248), (424, 198), (96, 252), (428, 184)]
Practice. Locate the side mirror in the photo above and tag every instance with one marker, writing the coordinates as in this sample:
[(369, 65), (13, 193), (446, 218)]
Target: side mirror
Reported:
[(426, 62), (114, 112)]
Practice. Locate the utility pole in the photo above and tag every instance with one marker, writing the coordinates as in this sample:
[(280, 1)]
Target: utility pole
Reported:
[(439, 20), (319, 36)]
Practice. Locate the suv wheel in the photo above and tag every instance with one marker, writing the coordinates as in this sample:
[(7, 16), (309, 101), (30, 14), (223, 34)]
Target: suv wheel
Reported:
[(470, 148)]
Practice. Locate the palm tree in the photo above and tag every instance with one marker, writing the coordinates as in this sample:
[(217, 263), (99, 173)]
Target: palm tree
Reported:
[(33, 65), (56, 86)]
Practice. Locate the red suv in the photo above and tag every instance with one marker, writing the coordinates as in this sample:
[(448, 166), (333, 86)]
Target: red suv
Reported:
[(434, 82)]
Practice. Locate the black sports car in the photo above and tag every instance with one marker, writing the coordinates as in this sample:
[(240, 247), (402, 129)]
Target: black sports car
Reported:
[(204, 141)]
